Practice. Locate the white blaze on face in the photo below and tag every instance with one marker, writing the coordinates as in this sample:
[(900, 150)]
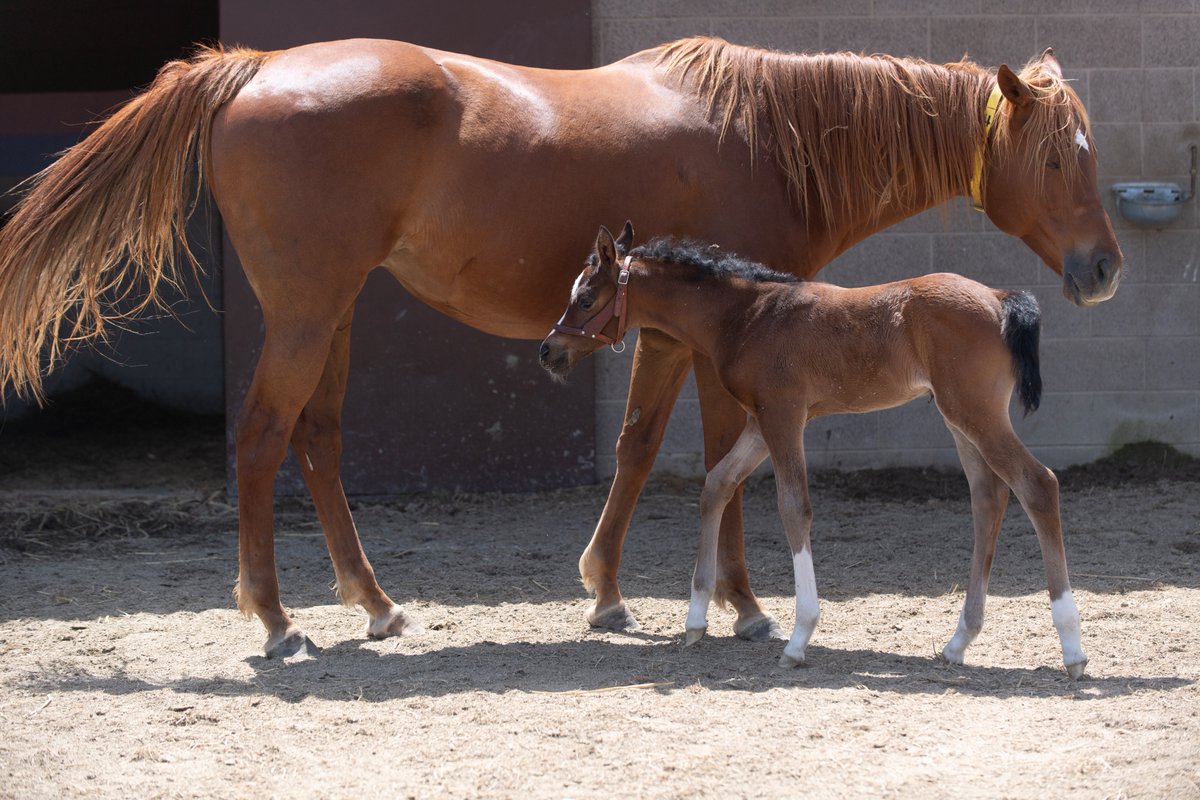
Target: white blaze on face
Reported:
[(1081, 140), (575, 287)]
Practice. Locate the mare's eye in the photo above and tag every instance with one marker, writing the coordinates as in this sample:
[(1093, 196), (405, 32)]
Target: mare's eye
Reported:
[(1052, 164), (585, 303)]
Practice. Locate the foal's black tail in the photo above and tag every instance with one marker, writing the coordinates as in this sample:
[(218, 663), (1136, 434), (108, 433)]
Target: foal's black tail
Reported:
[(1021, 329)]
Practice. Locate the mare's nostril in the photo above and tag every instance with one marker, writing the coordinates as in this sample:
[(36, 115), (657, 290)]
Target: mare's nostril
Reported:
[(544, 352), (1103, 270)]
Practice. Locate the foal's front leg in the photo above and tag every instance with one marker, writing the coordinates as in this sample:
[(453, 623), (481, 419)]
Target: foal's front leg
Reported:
[(719, 486), (786, 440)]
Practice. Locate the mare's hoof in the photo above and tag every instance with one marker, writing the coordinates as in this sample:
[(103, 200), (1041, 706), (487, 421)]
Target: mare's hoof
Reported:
[(788, 662), (947, 656), (295, 645), (760, 628), (693, 635), (1075, 671), (394, 623), (617, 618)]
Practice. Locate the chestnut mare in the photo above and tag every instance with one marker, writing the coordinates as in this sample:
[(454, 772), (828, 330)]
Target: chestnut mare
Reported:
[(462, 177), (789, 351)]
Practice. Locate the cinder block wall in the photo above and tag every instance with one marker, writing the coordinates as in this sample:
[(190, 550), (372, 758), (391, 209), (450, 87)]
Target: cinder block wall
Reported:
[(1124, 371)]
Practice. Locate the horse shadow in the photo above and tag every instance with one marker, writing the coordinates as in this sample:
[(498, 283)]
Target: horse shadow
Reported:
[(593, 665)]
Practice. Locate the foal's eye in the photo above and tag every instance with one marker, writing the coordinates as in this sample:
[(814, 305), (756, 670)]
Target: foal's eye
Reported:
[(585, 303), (1052, 164)]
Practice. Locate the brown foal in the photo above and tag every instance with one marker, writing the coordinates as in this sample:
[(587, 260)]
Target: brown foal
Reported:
[(789, 351)]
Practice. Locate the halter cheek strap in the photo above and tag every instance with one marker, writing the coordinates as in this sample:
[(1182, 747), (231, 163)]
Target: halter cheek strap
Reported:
[(615, 307), (989, 117)]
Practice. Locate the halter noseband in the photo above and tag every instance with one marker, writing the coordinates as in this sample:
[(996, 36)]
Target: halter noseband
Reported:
[(989, 117), (615, 307)]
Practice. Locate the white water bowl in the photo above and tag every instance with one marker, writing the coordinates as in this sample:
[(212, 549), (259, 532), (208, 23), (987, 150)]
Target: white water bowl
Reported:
[(1151, 204)]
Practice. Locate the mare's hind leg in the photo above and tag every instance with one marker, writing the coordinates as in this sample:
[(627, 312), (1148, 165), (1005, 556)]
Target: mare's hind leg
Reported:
[(317, 446), (989, 497), (723, 419), (293, 358), (720, 486), (659, 367), (988, 427)]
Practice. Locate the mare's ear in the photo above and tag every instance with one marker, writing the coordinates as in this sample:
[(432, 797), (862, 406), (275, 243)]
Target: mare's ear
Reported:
[(1050, 63), (625, 240), (1013, 88), (606, 248)]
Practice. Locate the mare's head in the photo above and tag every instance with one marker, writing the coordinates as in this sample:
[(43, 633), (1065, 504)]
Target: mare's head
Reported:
[(595, 314), (1039, 180)]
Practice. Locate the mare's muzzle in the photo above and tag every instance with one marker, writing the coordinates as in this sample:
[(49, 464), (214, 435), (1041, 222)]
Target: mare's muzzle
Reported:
[(1093, 278)]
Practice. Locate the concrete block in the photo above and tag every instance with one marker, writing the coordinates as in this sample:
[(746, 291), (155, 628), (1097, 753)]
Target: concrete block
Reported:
[(1116, 95), (1150, 310), (954, 216), (990, 41), (1118, 151), (920, 8), (1111, 419), (918, 424), (711, 8), (841, 432), (1092, 40), (1170, 40), (1173, 363), (880, 258), (622, 37), (1061, 319), (1167, 6), (1172, 257), (994, 258), (817, 8), (622, 9), (1093, 365), (900, 36), (788, 35), (1166, 150), (1168, 95)]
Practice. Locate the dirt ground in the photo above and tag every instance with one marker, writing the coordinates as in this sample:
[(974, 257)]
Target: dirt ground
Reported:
[(125, 670)]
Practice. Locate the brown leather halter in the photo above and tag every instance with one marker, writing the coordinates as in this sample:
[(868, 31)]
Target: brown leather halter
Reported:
[(615, 307)]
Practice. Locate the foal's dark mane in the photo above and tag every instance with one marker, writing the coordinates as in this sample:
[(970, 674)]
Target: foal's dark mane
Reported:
[(708, 261)]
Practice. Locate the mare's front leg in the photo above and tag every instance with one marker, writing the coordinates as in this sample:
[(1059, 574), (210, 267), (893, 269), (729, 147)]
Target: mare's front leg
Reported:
[(659, 367), (989, 497), (785, 436), (720, 485), (317, 446), (723, 419)]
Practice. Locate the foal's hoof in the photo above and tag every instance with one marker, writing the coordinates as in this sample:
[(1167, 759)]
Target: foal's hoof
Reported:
[(788, 662), (759, 628), (293, 645), (394, 623), (693, 635), (616, 618), (1075, 671), (948, 656)]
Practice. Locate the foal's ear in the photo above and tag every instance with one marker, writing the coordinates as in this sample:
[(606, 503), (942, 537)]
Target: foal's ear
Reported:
[(606, 248), (1013, 88), (625, 240)]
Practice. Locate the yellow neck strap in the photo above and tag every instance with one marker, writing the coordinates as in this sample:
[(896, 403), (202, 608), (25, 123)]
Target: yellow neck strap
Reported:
[(989, 116)]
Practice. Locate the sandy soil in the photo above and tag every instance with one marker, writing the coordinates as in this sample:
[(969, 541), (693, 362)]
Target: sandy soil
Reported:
[(125, 670)]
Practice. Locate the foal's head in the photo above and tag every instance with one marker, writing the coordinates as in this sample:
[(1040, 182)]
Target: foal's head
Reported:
[(1039, 180), (595, 315)]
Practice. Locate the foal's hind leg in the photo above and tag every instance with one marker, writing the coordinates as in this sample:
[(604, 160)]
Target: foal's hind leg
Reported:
[(317, 446), (989, 496), (719, 487), (1037, 490)]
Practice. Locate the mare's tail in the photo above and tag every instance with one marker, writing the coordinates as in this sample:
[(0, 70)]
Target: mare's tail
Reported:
[(1021, 329), (105, 222)]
